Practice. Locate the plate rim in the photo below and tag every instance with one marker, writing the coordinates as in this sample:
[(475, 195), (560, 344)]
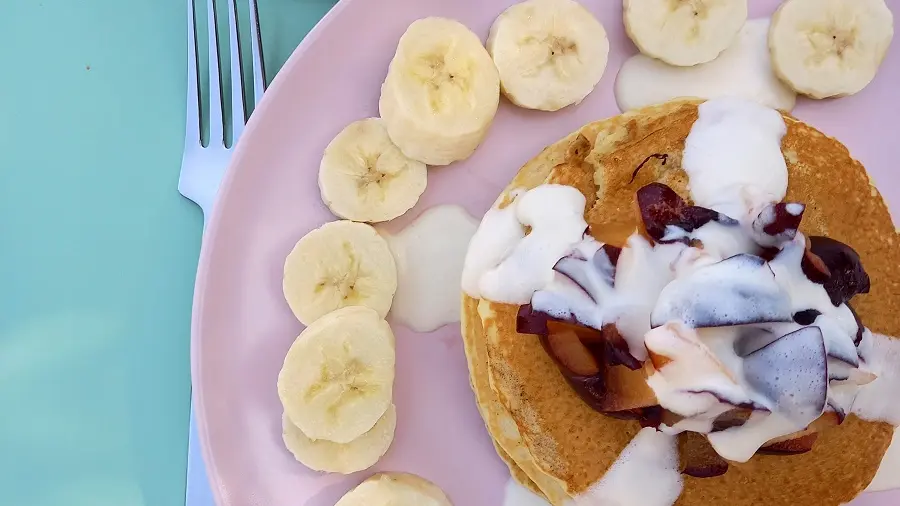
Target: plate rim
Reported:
[(201, 280)]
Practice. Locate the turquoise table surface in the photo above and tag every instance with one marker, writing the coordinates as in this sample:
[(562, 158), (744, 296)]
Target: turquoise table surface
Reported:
[(98, 250)]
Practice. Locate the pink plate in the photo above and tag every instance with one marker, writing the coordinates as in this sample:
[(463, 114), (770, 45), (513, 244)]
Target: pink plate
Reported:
[(242, 326)]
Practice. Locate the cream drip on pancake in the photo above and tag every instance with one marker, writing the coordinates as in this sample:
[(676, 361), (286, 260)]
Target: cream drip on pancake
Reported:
[(646, 473), (733, 157), (504, 264)]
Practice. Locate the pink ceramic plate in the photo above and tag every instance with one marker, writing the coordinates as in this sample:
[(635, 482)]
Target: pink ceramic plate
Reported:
[(243, 327)]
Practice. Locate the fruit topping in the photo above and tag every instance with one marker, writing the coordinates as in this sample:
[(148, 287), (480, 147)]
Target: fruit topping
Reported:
[(572, 353), (734, 417), (529, 321), (736, 291), (848, 277), (687, 377), (612, 252), (617, 391), (698, 458), (668, 218), (615, 348), (777, 223), (792, 373), (814, 268), (595, 274), (582, 284), (806, 317)]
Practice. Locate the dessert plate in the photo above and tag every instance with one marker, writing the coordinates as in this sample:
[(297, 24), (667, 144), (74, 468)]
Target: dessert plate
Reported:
[(242, 326)]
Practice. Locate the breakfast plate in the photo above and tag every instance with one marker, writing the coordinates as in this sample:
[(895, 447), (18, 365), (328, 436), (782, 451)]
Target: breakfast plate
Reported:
[(244, 327)]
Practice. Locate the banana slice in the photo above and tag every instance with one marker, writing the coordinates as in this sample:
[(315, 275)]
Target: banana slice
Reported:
[(339, 264), (395, 489), (441, 92), (361, 453), (363, 176), (338, 376), (829, 48), (684, 32), (549, 53)]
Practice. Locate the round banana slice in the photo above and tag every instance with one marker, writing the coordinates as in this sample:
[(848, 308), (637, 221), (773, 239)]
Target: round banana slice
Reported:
[(363, 176), (395, 489), (361, 453), (341, 263), (684, 32), (829, 48), (549, 53), (441, 92), (338, 377)]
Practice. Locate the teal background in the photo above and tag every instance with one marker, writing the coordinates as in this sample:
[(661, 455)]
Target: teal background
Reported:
[(98, 250)]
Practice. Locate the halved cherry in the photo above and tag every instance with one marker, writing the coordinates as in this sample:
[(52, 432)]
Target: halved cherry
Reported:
[(848, 277), (661, 208), (529, 321), (814, 268)]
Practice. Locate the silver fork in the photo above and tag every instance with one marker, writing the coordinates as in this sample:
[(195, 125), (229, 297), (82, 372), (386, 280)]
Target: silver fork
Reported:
[(202, 167)]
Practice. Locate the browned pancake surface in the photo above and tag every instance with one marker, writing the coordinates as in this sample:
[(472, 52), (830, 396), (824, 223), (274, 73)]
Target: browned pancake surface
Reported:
[(576, 445)]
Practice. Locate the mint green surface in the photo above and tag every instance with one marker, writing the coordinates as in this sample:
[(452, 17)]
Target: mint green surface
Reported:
[(98, 250)]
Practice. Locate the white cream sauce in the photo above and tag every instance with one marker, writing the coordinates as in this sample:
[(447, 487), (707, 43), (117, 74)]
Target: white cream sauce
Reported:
[(517, 495), (505, 265), (743, 70), (877, 401), (733, 158), (645, 474), (429, 254)]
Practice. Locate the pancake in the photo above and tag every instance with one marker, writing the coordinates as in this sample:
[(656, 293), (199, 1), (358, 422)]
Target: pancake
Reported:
[(563, 445)]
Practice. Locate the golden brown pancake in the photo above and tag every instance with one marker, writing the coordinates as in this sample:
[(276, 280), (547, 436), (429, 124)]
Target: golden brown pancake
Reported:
[(562, 445)]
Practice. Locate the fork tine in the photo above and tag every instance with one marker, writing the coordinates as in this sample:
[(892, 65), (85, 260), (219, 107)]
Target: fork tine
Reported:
[(192, 123), (238, 116), (216, 126), (259, 63)]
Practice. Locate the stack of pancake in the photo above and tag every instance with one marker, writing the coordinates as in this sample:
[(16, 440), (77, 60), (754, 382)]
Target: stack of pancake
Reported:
[(558, 446)]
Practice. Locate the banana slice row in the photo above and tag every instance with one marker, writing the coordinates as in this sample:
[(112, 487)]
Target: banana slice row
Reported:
[(364, 177), (683, 32), (820, 48), (550, 53), (341, 263), (336, 387), (441, 92), (395, 489), (829, 48)]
